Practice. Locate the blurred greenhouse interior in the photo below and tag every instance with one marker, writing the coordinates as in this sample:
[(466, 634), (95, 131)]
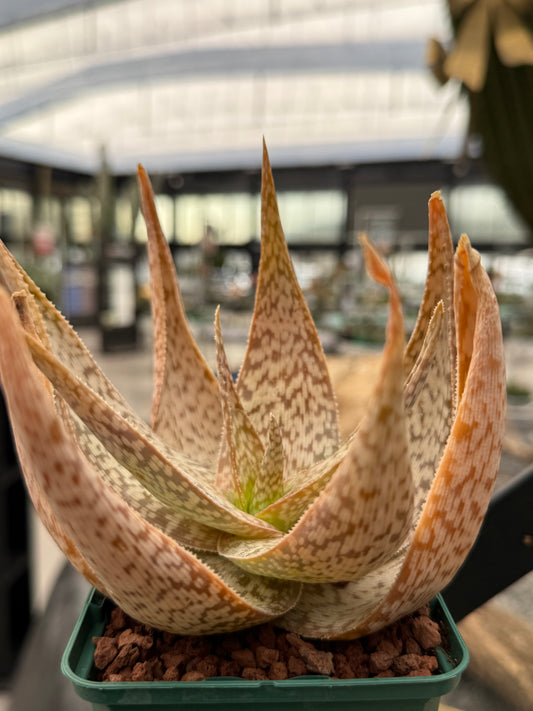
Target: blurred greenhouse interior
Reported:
[(366, 106)]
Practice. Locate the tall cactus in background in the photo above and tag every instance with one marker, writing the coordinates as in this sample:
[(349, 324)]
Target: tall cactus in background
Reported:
[(493, 58)]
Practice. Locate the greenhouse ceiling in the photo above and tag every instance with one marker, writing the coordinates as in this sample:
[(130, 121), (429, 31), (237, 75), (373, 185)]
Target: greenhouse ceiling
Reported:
[(194, 84)]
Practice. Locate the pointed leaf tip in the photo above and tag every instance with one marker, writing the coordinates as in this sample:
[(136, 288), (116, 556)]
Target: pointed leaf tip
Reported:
[(145, 184), (266, 167), (223, 369), (374, 264), (185, 403), (284, 369), (145, 187), (439, 284), (468, 255)]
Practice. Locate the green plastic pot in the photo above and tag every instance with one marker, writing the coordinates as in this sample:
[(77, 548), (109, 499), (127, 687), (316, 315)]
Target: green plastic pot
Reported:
[(228, 694)]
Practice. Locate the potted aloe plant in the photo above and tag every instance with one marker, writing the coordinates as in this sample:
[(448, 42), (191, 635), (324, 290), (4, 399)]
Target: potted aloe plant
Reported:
[(239, 504)]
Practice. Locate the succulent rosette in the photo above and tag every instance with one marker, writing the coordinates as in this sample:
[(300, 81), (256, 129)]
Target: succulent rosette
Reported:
[(239, 503)]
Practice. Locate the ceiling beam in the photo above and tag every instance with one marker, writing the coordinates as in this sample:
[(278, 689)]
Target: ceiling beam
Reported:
[(362, 57), (17, 13), (346, 153)]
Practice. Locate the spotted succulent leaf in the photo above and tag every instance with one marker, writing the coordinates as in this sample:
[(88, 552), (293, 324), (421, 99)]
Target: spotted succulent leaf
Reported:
[(142, 568), (459, 493), (268, 486), (284, 371), (170, 476), (439, 287), (462, 486), (186, 404), (241, 449), (364, 512), (429, 397), (30, 321), (239, 503), (56, 334)]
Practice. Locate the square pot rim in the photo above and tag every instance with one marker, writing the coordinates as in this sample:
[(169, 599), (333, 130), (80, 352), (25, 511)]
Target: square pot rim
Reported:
[(406, 687)]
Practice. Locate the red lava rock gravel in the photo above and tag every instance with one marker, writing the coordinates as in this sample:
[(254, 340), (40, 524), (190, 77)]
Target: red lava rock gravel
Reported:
[(129, 651)]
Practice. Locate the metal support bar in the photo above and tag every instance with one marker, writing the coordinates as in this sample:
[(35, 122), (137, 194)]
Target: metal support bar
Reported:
[(14, 554)]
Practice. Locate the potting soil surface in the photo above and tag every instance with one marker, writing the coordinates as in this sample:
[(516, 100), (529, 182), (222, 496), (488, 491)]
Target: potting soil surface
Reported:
[(130, 651)]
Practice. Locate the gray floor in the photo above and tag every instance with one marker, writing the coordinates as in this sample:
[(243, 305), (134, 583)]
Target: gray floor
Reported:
[(41, 659), (132, 374)]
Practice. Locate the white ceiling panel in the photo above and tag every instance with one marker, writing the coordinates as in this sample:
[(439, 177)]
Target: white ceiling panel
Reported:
[(187, 82)]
